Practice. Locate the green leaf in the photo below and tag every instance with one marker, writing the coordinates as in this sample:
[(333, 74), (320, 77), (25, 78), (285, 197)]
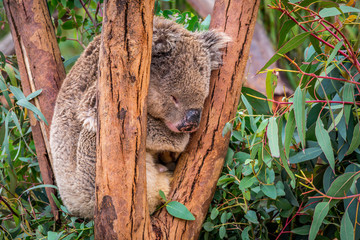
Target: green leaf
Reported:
[(208, 226), (228, 127), (28, 105), (346, 228), (321, 210), (337, 120), (290, 45), (348, 96), (334, 53), (329, 12), (52, 235), (257, 100), (271, 83), (10, 72), (328, 178), (282, 155), (247, 182), (178, 210), (5, 91), (355, 141), (222, 232), (285, 29), (245, 233), (303, 230), (17, 93), (214, 213), (205, 24), (299, 110), (269, 190), (162, 195), (33, 95), (16, 121), (272, 134), (2, 60), (41, 186), (325, 143), (251, 216), (71, 61), (341, 185), (305, 155), (289, 132), (223, 217)]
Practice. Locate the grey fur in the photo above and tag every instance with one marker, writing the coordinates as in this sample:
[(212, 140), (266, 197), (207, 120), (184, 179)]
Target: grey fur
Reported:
[(180, 68)]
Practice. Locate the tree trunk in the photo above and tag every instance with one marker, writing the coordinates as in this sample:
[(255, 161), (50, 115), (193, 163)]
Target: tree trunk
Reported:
[(120, 177), (200, 166), (40, 67), (125, 55)]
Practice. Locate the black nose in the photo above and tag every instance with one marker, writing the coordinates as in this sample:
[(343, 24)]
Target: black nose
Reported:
[(191, 121), (193, 115)]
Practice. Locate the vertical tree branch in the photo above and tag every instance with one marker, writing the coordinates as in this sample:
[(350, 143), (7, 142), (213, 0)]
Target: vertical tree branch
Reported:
[(40, 67), (200, 166), (125, 55)]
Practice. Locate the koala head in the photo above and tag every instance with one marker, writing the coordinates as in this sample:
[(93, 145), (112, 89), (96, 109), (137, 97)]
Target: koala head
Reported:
[(180, 73)]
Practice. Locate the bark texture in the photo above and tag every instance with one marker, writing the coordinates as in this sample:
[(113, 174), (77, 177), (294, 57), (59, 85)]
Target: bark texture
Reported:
[(200, 166), (125, 55), (40, 67)]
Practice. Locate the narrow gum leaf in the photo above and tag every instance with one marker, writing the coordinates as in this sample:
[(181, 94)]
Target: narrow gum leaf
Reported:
[(321, 210), (272, 134), (299, 110), (324, 141)]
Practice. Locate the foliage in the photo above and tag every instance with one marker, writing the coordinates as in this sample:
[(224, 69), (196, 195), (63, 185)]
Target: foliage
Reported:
[(292, 167), (25, 211)]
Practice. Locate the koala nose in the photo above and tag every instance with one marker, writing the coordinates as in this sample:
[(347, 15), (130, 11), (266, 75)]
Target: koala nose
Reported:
[(191, 121)]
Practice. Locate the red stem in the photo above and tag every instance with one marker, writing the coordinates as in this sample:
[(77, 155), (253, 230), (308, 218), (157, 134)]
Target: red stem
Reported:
[(313, 101)]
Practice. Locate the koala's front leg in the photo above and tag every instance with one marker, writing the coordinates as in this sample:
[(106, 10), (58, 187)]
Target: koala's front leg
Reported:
[(87, 108), (156, 179)]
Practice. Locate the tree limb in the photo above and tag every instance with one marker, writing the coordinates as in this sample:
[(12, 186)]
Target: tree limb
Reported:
[(200, 166), (40, 67)]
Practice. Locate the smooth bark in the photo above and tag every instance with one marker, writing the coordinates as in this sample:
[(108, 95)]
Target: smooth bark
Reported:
[(40, 67)]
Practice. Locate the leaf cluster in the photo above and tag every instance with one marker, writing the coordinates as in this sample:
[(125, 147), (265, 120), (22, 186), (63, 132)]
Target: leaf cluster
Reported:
[(293, 164)]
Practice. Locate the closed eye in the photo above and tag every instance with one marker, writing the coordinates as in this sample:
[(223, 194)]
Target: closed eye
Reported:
[(174, 100)]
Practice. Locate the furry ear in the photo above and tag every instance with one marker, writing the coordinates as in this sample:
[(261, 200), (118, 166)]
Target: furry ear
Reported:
[(214, 41), (164, 38)]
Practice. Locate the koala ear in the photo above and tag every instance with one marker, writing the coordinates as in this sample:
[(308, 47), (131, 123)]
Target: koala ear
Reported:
[(164, 40), (214, 41)]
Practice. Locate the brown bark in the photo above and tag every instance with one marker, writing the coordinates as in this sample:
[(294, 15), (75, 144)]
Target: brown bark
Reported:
[(40, 67), (125, 55), (199, 168)]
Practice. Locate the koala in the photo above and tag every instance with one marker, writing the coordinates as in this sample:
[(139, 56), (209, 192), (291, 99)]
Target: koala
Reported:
[(179, 83)]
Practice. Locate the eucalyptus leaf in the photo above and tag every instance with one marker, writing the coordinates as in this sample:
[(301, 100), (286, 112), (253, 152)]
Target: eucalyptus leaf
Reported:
[(178, 210)]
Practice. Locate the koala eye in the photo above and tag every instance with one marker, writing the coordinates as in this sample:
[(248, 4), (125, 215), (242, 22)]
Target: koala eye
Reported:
[(174, 100)]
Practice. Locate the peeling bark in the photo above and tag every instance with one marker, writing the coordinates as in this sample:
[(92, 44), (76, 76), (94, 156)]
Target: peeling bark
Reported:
[(125, 55), (40, 67)]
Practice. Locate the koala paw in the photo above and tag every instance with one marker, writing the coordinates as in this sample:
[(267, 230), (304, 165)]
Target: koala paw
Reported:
[(161, 168), (90, 123)]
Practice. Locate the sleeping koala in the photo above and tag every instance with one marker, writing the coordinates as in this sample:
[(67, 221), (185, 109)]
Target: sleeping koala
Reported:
[(179, 83)]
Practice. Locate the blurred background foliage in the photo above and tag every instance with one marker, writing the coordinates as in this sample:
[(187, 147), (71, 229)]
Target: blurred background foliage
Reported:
[(264, 190)]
